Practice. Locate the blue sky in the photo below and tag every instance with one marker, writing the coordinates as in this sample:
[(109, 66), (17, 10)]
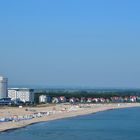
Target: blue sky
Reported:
[(87, 43)]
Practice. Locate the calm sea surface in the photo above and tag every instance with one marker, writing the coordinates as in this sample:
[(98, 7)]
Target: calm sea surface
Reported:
[(121, 124)]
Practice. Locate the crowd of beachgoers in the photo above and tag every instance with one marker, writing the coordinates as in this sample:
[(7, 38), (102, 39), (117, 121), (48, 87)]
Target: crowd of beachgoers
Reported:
[(17, 117), (35, 114)]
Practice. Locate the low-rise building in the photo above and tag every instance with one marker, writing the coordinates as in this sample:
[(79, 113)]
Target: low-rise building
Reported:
[(63, 99), (56, 100), (44, 99), (5, 101), (22, 94)]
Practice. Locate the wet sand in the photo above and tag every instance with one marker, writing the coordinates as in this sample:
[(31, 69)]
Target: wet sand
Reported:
[(58, 112)]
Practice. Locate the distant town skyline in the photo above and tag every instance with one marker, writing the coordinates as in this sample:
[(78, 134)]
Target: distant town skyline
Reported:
[(80, 43)]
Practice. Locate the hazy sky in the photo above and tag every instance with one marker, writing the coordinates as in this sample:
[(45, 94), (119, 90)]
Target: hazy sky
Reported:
[(93, 43)]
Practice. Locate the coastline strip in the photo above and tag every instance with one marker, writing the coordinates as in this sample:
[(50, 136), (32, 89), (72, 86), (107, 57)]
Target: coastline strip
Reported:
[(8, 126)]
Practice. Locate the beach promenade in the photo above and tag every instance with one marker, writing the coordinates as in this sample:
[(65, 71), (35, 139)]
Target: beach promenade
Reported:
[(21, 117)]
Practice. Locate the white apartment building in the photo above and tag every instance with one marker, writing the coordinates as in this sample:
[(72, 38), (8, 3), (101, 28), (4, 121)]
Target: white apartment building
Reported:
[(23, 94), (43, 99)]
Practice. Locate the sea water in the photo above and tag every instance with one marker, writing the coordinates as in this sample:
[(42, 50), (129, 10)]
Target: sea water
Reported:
[(120, 124)]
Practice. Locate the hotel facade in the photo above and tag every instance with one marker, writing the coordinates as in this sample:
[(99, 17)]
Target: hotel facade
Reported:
[(22, 94)]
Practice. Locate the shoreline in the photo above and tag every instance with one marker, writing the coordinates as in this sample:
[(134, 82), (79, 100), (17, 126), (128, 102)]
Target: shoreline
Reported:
[(10, 126)]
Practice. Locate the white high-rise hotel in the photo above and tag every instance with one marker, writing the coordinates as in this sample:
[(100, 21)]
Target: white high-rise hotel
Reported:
[(23, 94), (3, 87)]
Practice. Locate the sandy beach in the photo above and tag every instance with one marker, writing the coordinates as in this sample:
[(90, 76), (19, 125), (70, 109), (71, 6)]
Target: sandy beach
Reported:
[(55, 112)]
